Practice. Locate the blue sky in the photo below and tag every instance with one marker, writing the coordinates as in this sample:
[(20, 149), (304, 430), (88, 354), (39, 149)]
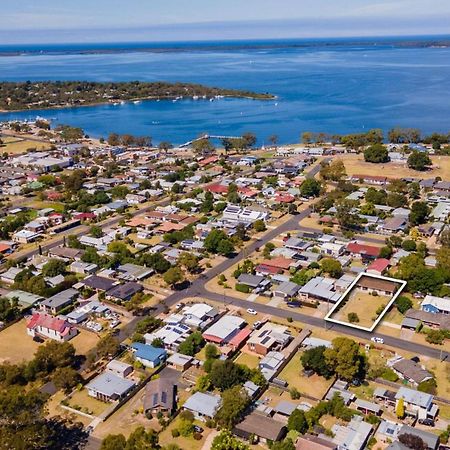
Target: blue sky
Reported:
[(47, 21)]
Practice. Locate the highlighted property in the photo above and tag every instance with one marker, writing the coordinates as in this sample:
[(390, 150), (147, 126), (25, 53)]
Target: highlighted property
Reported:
[(366, 301)]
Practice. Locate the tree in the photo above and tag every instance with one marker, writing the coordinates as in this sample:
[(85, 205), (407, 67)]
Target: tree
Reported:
[(202, 146), (259, 225), (226, 441), (409, 245), (141, 439), (403, 304), (189, 261), (114, 442), (211, 351), (376, 197), (310, 188), (333, 171), (74, 182), (66, 378), (113, 139), (344, 358), (412, 441), (107, 346), (192, 344), (400, 408), (444, 237), (352, 317), (120, 191), (225, 247), (226, 374), (346, 217), (273, 139), (419, 161), (376, 153), (313, 359), (234, 402), (331, 266), (286, 444), (9, 309), (96, 231), (297, 421), (419, 213), (173, 276)]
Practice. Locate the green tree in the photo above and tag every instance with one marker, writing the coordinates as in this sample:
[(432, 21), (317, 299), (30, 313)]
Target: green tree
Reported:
[(211, 351), (173, 276), (419, 213), (66, 378), (376, 153), (310, 188), (344, 358), (259, 225), (114, 442), (192, 344), (96, 231), (142, 439), (226, 441), (189, 261), (403, 304), (331, 266), (225, 247), (297, 421), (234, 402), (334, 171), (226, 374), (314, 359), (419, 161)]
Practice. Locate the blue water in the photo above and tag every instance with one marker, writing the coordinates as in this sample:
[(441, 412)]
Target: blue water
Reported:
[(336, 89)]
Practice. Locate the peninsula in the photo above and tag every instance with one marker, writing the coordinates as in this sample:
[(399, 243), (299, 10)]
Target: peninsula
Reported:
[(29, 95)]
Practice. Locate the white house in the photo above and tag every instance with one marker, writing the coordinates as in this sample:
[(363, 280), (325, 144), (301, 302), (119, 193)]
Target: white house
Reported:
[(51, 327)]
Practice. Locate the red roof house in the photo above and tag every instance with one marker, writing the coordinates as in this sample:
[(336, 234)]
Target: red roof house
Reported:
[(378, 266), (363, 250), (50, 327)]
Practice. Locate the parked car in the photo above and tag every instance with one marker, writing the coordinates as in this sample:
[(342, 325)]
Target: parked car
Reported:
[(257, 325), (198, 429), (294, 304), (377, 340), (427, 422), (252, 311)]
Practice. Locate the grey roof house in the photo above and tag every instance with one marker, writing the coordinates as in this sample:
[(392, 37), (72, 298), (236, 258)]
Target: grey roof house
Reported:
[(202, 405)]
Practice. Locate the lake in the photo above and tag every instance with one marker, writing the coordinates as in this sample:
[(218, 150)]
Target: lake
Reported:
[(341, 88)]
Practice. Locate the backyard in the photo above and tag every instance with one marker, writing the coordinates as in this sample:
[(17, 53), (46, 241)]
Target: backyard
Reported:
[(16, 345)]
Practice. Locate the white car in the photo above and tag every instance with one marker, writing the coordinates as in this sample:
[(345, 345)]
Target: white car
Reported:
[(377, 340), (252, 311)]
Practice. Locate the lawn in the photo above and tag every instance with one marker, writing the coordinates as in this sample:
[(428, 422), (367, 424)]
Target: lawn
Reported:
[(85, 403), (38, 204), (355, 164), (84, 341), (364, 305), (315, 385), (16, 345), (165, 437), (126, 419), (17, 146), (248, 360)]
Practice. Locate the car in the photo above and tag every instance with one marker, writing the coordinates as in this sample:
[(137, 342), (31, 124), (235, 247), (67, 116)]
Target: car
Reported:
[(294, 304), (377, 340), (257, 325), (427, 422), (198, 429), (179, 305), (114, 323), (252, 311)]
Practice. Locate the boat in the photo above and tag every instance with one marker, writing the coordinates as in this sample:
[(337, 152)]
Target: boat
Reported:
[(211, 99), (136, 102), (195, 97)]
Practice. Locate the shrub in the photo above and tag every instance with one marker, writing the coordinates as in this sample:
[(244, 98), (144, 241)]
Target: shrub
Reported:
[(294, 393), (389, 375), (428, 386), (175, 433), (352, 317), (403, 304), (290, 319), (197, 436), (242, 288)]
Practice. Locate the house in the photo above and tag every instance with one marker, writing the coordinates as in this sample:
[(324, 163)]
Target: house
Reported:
[(124, 291), (25, 299), (198, 315), (320, 288), (431, 440), (66, 253), (286, 290), (50, 327), (133, 272), (311, 442), (265, 428), (109, 387), (172, 334), (160, 397), (365, 252), (203, 405), (393, 225), (332, 249), (56, 303), (269, 337), (271, 364), (410, 371), (378, 285), (224, 329), (25, 236), (413, 318), (179, 361), (378, 266), (100, 243), (148, 355), (83, 268), (367, 407), (9, 276), (275, 265), (119, 368), (417, 404), (435, 305), (352, 436), (99, 284), (257, 283), (376, 180), (340, 388)]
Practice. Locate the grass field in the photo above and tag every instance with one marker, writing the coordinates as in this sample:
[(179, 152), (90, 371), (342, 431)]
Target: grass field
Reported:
[(88, 404), (355, 164), (16, 345), (84, 341), (315, 385), (248, 360), (364, 305), (15, 146)]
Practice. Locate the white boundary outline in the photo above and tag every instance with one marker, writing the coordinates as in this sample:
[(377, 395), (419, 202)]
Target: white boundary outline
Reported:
[(350, 288)]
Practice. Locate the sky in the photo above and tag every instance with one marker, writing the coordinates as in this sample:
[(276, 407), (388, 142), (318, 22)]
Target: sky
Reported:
[(62, 21)]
